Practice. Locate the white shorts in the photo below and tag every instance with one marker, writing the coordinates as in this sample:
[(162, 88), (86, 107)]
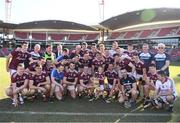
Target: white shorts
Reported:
[(71, 87), (57, 88), (101, 87), (12, 71)]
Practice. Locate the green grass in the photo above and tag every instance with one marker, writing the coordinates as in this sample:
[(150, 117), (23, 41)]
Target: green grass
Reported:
[(80, 105)]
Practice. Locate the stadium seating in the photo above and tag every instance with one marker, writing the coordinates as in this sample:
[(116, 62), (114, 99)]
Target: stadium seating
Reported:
[(76, 36), (178, 33), (21, 35), (145, 33), (175, 52), (39, 36), (114, 35), (131, 34), (166, 31), (57, 37), (91, 36)]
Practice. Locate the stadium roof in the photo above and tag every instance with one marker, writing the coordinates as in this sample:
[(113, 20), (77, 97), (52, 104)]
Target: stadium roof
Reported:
[(54, 24), (7, 25), (141, 17)]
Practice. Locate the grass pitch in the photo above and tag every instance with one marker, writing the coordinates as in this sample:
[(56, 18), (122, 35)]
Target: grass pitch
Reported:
[(80, 110)]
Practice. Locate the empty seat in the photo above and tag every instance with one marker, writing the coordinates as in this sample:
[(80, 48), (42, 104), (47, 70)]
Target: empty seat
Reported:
[(165, 31), (131, 34), (76, 36), (57, 37), (39, 36), (92, 36), (21, 35), (114, 35)]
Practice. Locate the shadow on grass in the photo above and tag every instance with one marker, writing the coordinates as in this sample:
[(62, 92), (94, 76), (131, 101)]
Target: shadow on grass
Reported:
[(80, 106)]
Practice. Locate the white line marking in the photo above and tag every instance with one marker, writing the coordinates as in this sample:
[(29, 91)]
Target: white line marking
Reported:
[(88, 114)]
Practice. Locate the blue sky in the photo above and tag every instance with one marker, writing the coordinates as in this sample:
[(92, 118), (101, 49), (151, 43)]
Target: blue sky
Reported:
[(81, 11)]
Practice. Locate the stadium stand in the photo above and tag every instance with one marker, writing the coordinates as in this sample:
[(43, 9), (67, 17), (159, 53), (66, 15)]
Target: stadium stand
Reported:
[(76, 36), (166, 31), (92, 36), (178, 33), (131, 34), (145, 33), (21, 35), (142, 34), (39, 36), (57, 37), (114, 35)]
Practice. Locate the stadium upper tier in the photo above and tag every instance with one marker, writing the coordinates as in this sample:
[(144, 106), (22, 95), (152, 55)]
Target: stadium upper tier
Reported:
[(148, 33), (126, 35), (55, 36)]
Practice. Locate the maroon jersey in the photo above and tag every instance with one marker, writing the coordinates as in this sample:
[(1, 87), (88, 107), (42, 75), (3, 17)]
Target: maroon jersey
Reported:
[(111, 75), (47, 69), (82, 52), (139, 67), (152, 77), (109, 60), (97, 63), (92, 54), (84, 62), (71, 75), (19, 79), (130, 54), (19, 57), (32, 66), (38, 78), (100, 77), (124, 64), (85, 78)]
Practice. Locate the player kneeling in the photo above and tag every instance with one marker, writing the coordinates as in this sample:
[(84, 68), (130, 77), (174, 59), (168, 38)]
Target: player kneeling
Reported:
[(39, 82), (85, 86), (70, 80), (129, 89), (18, 88), (165, 93), (57, 75), (149, 87), (112, 79), (99, 85)]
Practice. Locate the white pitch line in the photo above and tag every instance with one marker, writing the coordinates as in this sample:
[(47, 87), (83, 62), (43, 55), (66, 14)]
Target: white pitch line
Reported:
[(88, 114)]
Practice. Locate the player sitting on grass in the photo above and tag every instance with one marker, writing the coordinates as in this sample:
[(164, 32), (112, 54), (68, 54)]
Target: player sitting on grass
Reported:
[(18, 88), (85, 85), (165, 93), (129, 89), (57, 75), (70, 79), (39, 82)]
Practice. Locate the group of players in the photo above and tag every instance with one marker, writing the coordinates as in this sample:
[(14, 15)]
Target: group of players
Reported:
[(93, 72)]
